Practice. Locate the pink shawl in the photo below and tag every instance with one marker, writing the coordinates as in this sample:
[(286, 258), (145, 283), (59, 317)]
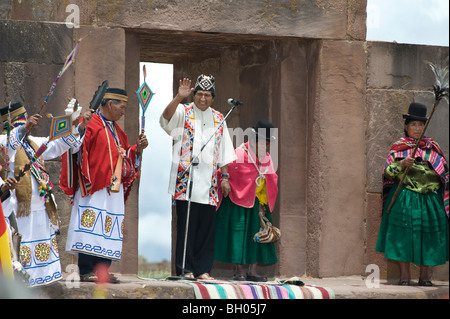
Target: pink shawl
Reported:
[(243, 179)]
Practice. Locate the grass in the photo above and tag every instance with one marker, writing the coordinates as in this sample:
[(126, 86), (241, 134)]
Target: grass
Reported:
[(155, 273), (153, 270)]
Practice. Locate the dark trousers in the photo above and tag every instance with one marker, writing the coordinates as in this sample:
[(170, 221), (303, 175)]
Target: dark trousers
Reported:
[(200, 240), (88, 263)]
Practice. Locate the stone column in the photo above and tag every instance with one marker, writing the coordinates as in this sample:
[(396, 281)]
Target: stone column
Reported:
[(336, 161)]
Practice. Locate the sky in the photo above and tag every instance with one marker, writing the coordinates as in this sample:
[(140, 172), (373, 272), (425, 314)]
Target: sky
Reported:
[(408, 21), (154, 200), (424, 22)]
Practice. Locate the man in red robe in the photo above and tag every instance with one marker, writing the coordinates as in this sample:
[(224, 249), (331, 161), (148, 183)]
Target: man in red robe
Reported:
[(103, 172)]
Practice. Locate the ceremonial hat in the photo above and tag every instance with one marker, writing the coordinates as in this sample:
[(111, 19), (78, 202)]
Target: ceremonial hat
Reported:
[(416, 112), (205, 83), (116, 94), (264, 129), (15, 110)]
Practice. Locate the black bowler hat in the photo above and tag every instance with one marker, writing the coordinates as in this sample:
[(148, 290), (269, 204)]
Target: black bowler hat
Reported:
[(264, 129), (416, 112)]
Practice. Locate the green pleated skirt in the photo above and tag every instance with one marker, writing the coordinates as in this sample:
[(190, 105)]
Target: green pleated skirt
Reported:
[(416, 230), (235, 227)]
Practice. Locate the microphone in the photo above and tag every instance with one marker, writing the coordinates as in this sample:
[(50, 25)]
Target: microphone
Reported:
[(235, 102)]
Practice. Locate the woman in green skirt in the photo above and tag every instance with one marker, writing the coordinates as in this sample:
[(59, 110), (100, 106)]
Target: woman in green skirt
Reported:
[(253, 183), (416, 228)]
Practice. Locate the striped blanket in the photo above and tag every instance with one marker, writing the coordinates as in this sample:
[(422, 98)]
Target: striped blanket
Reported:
[(218, 289)]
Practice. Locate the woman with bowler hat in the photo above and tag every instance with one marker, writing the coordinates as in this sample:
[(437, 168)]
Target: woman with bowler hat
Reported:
[(253, 183), (416, 228)]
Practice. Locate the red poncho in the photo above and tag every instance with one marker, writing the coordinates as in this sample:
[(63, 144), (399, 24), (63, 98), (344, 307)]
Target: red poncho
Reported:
[(90, 168), (430, 152)]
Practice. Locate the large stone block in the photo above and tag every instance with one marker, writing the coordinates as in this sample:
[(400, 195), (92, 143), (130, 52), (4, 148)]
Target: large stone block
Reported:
[(302, 18), (101, 56), (395, 66), (340, 109), (292, 245), (384, 127), (314, 19), (5, 8), (30, 84), (12, 75), (34, 42), (55, 11), (373, 220)]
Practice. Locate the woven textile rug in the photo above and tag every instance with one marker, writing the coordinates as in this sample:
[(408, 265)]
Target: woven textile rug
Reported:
[(219, 289)]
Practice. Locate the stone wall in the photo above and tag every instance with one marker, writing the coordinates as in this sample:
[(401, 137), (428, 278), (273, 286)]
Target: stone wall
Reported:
[(305, 65), (329, 19)]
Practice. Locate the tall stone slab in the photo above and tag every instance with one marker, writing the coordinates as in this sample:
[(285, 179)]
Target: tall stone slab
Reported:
[(336, 171)]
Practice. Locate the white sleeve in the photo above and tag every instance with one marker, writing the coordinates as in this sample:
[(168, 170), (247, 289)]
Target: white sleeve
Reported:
[(176, 122), (227, 154)]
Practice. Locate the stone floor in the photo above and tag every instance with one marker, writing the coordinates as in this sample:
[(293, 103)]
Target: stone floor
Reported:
[(133, 287)]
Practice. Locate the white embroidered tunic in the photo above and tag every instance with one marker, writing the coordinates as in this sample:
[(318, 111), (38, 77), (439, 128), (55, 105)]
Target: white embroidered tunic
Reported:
[(203, 127)]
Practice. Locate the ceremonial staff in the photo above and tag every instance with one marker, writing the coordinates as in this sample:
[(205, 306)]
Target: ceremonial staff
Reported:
[(441, 90), (69, 60), (145, 95), (61, 125)]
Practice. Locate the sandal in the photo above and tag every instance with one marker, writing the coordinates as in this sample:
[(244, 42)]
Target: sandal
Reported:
[(425, 283), (205, 276), (404, 282), (239, 277), (89, 277), (113, 279)]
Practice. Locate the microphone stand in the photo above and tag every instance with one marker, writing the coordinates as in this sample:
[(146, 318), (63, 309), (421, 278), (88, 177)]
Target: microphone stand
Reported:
[(189, 196), (195, 162)]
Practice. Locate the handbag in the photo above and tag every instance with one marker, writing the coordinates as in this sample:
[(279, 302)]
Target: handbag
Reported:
[(267, 232)]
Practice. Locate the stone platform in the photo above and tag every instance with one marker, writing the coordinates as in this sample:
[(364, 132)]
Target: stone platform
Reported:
[(133, 287)]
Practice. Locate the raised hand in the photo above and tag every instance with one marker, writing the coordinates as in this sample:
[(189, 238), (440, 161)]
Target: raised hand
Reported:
[(32, 121), (87, 117), (184, 90)]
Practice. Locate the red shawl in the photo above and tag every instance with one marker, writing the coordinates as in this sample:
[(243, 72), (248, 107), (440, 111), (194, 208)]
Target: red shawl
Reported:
[(90, 168)]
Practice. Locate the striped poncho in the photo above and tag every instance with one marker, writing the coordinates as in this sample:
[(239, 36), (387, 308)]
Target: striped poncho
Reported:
[(430, 152)]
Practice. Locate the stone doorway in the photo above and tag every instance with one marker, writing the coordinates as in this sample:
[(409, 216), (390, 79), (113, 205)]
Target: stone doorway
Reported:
[(271, 75)]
